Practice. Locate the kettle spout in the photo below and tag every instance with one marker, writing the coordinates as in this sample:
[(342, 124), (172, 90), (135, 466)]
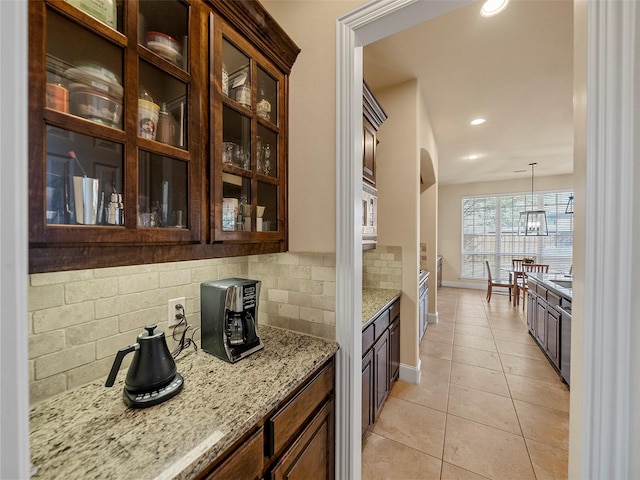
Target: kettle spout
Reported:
[(118, 361)]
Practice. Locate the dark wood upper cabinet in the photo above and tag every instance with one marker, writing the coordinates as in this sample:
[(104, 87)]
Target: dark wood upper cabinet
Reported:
[(373, 117), (127, 126)]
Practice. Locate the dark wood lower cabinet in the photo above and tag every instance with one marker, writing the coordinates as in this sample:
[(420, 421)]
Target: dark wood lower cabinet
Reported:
[(380, 362), (541, 309), (367, 389), (549, 326), (311, 455), (552, 344), (394, 348), (381, 367), (295, 441), (246, 462)]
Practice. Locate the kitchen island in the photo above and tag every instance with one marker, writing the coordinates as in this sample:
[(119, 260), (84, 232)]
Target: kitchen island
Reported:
[(90, 433), (549, 300)]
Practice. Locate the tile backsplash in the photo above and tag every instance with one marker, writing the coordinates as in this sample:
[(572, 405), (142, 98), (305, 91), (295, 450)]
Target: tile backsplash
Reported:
[(78, 320), (382, 267)]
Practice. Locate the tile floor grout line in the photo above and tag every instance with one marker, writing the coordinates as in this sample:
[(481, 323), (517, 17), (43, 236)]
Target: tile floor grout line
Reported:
[(467, 303)]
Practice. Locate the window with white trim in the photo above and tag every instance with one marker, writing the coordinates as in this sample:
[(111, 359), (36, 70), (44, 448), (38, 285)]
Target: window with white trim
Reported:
[(490, 232)]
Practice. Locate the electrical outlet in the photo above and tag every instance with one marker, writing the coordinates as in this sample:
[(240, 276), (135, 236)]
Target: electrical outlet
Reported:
[(172, 311)]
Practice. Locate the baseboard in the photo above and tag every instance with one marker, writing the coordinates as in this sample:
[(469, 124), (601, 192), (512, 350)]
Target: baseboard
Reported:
[(475, 286), (410, 374), (432, 318)]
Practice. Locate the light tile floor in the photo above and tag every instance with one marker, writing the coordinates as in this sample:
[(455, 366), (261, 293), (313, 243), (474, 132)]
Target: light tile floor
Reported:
[(489, 404)]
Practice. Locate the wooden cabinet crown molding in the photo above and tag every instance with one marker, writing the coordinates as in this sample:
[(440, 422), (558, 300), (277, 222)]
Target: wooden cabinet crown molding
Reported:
[(371, 108), (251, 18)]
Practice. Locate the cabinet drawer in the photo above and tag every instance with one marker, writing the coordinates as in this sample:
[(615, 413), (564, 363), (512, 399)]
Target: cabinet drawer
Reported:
[(246, 462), (542, 292), (311, 457), (367, 339), (284, 425), (395, 311), (553, 299), (382, 323)]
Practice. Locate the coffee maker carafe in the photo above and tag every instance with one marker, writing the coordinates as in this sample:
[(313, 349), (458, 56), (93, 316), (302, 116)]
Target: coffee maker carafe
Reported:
[(229, 311)]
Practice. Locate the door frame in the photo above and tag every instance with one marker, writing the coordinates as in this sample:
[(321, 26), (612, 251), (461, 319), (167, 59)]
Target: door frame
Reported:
[(600, 435)]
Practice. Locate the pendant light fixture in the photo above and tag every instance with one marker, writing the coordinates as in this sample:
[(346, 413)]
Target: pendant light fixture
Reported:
[(569, 209), (533, 222)]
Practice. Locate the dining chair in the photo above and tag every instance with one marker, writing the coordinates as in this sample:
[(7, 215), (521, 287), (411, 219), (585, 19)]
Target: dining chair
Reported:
[(495, 283), (531, 268), (518, 277)]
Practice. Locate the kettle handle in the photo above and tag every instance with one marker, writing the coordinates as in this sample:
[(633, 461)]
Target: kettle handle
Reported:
[(118, 361)]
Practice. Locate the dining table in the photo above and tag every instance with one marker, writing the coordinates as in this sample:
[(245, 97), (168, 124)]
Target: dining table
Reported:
[(515, 273)]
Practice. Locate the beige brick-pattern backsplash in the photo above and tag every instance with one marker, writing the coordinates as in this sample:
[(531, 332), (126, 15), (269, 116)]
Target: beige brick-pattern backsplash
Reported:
[(298, 291), (78, 320), (382, 267)]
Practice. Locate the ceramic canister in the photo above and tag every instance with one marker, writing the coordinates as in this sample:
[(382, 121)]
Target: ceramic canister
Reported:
[(57, 97)]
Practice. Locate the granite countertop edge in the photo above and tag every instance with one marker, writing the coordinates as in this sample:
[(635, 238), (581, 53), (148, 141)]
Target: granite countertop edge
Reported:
[(548, 280), (375, 300), (90, 432)]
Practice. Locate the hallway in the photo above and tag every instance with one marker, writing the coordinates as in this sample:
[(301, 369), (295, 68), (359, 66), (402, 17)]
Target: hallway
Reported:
[(489, 404)]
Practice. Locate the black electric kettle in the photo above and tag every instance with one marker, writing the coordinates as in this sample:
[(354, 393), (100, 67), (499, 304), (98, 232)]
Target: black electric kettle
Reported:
[(152, 377)]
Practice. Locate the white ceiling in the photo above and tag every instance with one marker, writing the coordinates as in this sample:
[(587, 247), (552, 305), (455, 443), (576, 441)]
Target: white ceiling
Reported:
[(514, 69)]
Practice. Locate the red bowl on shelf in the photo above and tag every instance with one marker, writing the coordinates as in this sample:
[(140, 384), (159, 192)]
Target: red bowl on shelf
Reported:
[(165, 46)]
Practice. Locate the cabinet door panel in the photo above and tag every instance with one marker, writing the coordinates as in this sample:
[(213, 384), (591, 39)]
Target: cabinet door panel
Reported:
[(246, 462), (311, 457), (532, 305), (541, 334), (248, 106), (394, 349), (295, 413), (381, 369), (553, 335), (369, 153), (367, 392)]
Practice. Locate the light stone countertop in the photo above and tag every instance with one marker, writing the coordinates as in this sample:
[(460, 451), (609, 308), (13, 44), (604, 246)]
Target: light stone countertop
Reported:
[(550, 280), (90, 433), (374, 300)]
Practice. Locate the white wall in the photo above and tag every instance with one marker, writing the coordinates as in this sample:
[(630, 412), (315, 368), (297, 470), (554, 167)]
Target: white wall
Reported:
[(450, 213)]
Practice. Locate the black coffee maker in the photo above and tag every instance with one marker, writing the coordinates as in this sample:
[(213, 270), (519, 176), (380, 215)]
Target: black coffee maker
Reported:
[(229, 318), (152, 377)]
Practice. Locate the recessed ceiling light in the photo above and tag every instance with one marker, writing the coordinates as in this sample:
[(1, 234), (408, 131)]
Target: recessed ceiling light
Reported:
[(473, 157), (493, 7), (478, 121)]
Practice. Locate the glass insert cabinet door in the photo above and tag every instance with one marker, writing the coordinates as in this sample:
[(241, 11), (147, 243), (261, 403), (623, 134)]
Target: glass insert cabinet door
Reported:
[(110, 122), (249, 166)]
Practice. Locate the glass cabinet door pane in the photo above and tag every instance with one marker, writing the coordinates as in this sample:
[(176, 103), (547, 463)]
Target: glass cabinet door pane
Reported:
[(163, 29), (84, 178), (236, 74), (162, 107), (162, 192), (236, 139), (267, 152), (84, 73), (267, 214), (236, 203), (267, 101), (105, 11)]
